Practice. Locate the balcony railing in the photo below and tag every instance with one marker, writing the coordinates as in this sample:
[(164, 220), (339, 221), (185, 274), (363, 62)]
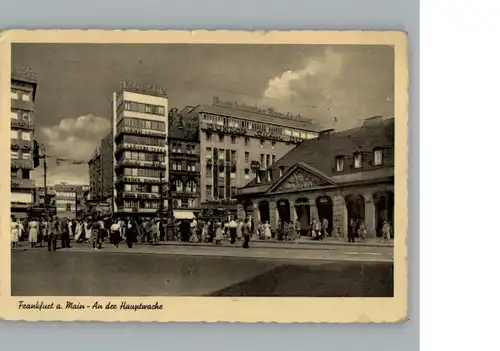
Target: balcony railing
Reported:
[(21, 164), (139, 147), (22, 124), (185, 193), (140, 131), (19, 144), (139, 163), (139, 179), (138, 195), (22, 183)]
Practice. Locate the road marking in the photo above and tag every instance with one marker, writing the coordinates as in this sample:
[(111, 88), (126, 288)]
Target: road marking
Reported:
[(373, 253), (352, 253)]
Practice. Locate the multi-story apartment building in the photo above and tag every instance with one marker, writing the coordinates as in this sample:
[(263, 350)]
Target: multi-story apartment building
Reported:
[(101, 170), (184, 160), (236, 141), (140, 121), (23, 92), (95, 175), (340, 176), (68, 199)]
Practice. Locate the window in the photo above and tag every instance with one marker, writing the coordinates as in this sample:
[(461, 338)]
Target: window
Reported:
[(68, 207), (191, 203), (274, 159), (13, 173), (339, 163), (208, 192), (13, 134), (26, 96), (178, 185), (155, 188), (262, 160), (377, 157), (273, 144), (209, 136), (14, 95), (261, 143), (13, 114), (247, 157), (26, 155), (247, 141), (221, 194), (247, 173), (25, 174), (208, 151), (26, 136), (233, 139), (269, 176), (258, 177), (191, 187), (221, 155), (282, 170), (358, 160), (268, 161), (233, 175), (14, 154), (221, 137), (128, 187)]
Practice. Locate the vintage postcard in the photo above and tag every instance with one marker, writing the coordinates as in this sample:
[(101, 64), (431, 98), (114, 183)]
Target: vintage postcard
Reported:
[(204, 176)]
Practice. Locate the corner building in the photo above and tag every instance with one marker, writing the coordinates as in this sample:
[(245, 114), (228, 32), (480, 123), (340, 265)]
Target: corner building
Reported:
[(237, 141), (140, 120), (22, 121)]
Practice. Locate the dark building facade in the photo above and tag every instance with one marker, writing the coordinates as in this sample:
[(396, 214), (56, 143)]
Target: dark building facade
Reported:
[(338, 176), (184, 164), (22, 119)]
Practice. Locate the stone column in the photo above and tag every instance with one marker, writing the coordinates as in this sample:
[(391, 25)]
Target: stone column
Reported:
[(339, 229), (256, 214), (370, 216), (273, 215), (293, 213)]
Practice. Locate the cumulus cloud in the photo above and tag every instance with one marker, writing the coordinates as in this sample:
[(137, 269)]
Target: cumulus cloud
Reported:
[(336, 86), (73, 139)]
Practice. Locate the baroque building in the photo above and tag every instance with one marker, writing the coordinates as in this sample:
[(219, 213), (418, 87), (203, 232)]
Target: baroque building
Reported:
[(237, 141), (22, 147), (339, 176), (184, 165)]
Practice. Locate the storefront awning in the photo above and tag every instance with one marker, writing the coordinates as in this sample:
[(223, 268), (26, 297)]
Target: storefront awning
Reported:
[(183, 215)]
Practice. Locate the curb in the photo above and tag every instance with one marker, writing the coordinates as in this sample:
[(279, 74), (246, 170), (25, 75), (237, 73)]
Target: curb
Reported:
[(319, 246)]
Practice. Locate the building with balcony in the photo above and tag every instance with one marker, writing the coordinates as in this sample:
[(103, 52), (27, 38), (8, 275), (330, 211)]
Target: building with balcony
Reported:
[(338, 177), (95, 175), (184, 164), (140, 168), (101, 170), (237, 141), (69, 199), (22, 118)]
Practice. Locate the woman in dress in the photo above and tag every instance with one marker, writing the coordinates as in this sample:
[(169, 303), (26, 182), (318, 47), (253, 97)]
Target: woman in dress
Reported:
[(14, 232), (33, 232), (218, 233), (362, 231), (267, 231), (88, 230), (386, 231), (115, 233)]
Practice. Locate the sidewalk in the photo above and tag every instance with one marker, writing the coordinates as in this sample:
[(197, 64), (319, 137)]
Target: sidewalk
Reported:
[(302, 243)]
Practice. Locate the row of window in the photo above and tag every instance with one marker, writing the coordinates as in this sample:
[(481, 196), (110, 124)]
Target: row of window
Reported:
[(221, 194), (177, 147), (16, 94), (378, 159), (14, 155), (144, 108), (189, 166), (247, 172), (142, 188), (143, 156), (22, 115), (20, 174), (65, 194), (184, 203), (143, 124), (234, 139), (189, 187), (140, 204), (142, 172), (236, 123), (143, 140), (20, 135)]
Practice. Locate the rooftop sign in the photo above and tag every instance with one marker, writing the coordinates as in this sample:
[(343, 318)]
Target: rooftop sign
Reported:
[(143, 88), (255, 109)]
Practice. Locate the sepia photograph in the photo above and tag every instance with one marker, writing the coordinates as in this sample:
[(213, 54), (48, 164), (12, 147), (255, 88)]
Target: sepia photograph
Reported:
[(214, 170)]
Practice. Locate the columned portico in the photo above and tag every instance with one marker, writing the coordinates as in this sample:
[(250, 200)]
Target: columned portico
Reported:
[(369, 215)]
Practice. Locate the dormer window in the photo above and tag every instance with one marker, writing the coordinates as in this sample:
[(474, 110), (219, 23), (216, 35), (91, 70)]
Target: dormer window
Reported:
[(281, 168), (258, 177), (358, 160), (339, 163), (269, 176), (378, 157)]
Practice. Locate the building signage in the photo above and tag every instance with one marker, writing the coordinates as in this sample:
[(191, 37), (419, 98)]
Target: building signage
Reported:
[(143, 131), (143, 147), (143, 88), (269, 111), (23, 72)]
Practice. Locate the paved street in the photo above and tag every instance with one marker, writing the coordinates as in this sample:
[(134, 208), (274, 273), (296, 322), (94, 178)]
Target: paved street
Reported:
[(175, 270)]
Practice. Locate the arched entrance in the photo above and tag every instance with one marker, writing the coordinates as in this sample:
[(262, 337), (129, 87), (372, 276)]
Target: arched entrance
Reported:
[(355, 205), (248, 208), (303, 210), (284, 210), (264, 211), (324, 205), (384, 210)]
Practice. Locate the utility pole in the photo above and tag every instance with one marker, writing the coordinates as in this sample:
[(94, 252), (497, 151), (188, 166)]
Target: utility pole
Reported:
[(45, 192), (76, 203)]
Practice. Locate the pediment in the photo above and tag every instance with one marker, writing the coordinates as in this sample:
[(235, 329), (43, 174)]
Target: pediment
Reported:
[(299, 179)]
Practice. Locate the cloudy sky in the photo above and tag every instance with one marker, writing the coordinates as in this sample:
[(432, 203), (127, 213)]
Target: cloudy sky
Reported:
[(76, 82)]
